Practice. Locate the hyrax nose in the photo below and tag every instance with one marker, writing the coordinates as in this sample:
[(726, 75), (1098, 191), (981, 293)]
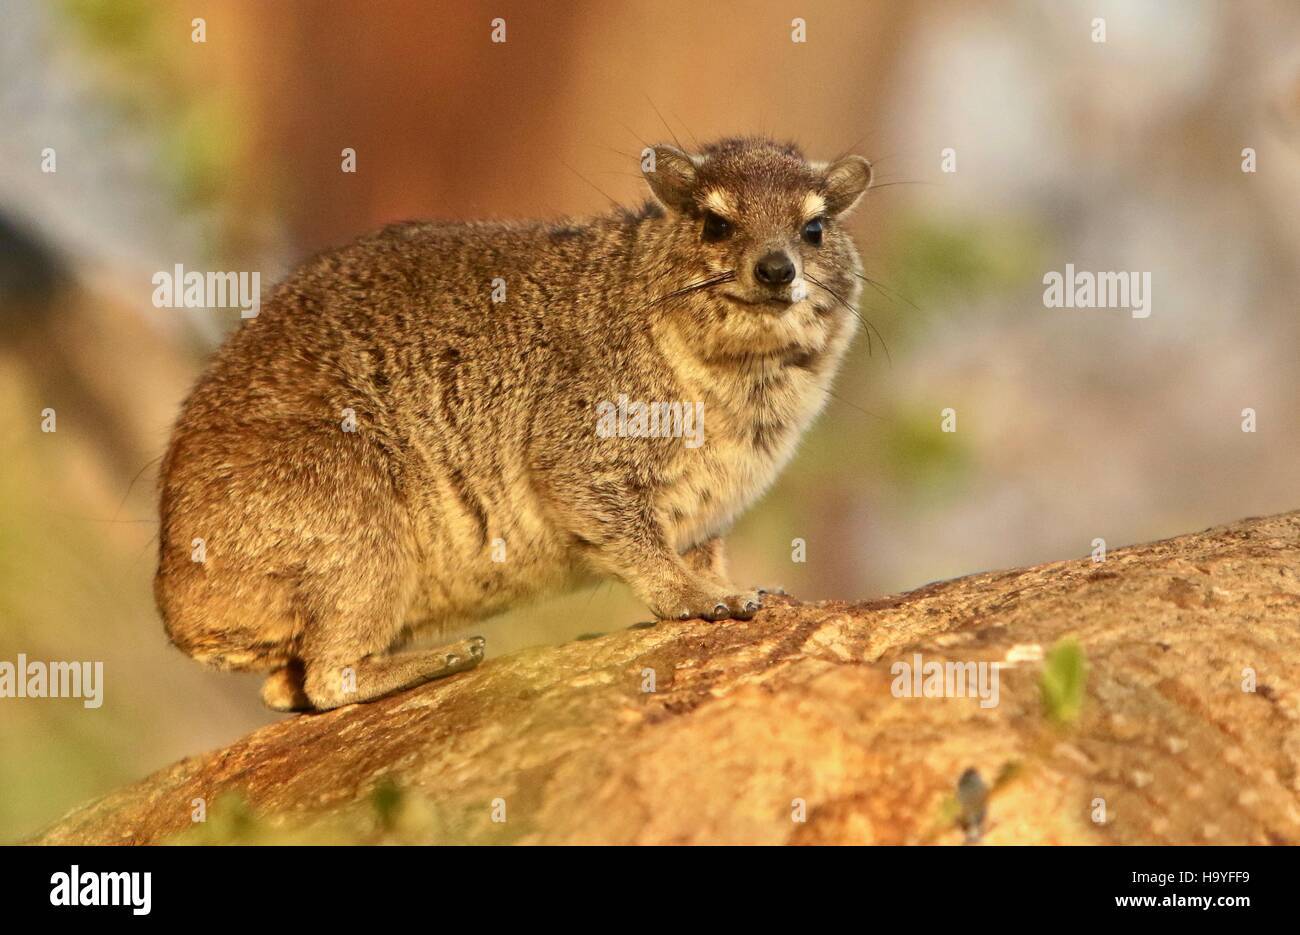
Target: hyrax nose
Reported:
[(775, 269)]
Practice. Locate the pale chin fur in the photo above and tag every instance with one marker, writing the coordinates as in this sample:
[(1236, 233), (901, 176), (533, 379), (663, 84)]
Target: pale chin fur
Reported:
[(802, 324)]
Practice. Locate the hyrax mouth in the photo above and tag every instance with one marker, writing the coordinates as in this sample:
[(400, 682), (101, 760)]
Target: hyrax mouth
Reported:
[(769, 303)]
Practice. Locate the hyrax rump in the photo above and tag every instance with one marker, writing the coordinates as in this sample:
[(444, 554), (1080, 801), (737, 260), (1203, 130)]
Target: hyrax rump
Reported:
[(420, 428)]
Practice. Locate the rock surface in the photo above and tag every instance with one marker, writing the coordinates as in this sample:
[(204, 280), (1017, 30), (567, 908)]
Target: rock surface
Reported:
[(749, 719)]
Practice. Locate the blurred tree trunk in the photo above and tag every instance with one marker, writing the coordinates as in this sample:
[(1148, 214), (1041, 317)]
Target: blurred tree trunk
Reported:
[(448, 124)]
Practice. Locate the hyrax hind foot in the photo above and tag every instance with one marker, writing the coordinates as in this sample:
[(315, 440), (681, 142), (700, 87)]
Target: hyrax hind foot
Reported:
[(282, 690), (324, 685)]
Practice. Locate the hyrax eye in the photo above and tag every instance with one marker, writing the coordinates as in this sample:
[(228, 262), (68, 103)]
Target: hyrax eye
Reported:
[(812, 232), (716, 227)]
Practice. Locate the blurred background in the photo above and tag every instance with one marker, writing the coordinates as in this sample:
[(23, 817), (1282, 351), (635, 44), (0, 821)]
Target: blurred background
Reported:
[(225, 154)]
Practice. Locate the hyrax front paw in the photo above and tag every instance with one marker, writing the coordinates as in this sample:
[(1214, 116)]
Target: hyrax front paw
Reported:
[(464, 655), (708, 603)]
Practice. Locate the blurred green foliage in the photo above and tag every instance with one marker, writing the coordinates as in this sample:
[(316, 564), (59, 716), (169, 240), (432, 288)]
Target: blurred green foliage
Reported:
[(137, 47), (920, 460), (1063, 682), (940, 265), (57, 578)]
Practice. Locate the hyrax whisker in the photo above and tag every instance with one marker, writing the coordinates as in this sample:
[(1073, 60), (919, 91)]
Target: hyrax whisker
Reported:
[(891, 294), (676, 142), (698, 286), (868, 325), (865, 412), (600, 191)]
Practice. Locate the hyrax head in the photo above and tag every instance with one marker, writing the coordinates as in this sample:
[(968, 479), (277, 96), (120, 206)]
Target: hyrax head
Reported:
[(762, 217)]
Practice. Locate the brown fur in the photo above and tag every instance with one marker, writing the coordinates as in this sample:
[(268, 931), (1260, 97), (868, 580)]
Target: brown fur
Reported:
[(476, 422)]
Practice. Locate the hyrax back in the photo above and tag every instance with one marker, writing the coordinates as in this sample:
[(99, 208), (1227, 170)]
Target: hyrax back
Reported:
[(441, 420)]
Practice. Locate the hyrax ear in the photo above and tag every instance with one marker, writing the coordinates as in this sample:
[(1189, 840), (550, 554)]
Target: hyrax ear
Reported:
[(845, 181), (671, 174)]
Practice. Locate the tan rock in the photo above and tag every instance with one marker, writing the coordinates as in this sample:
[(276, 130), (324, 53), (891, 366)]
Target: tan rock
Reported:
[(784, 729)]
